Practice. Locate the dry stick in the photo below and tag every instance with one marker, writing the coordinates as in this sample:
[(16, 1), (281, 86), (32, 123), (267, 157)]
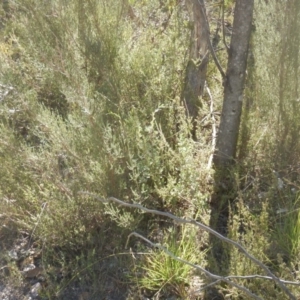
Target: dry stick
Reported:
[(208, 285), (246, 277), (214, 130), (205, 228), (262, 277), (261, 136), (218, 278)]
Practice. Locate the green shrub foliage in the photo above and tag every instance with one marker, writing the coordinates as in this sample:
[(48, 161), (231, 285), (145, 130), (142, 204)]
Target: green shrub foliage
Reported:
[(90, 100)]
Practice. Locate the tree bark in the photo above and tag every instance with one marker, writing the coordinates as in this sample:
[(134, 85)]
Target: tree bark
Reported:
[(227, 138), (198, 58), (234, 84)]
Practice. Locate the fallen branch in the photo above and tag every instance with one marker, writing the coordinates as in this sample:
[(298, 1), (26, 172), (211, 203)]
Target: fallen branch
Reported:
[(203, 227), (263, 277), (209, 274)]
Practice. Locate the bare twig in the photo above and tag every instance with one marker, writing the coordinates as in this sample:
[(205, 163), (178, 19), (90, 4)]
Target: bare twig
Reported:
[(297, 283), (245, 277), (209, 274), (214, 129), (261, 136), (203, 227), (208, 285)]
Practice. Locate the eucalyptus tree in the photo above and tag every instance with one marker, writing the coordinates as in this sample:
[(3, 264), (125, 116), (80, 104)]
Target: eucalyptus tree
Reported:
[(234, 80), (198, 57)]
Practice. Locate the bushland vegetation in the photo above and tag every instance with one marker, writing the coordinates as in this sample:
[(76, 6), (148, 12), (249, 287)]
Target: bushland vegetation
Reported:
[(91, 105)]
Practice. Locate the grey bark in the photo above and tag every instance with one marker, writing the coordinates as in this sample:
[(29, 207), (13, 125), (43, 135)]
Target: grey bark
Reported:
[(198, 58), (234, 83)]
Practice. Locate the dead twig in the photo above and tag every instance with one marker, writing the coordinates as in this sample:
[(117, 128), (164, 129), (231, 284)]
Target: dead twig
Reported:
[(217, 278), (203, 227), (263, 277)]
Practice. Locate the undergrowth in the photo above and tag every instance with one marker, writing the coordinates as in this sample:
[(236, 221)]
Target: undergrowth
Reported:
[(91, 101)]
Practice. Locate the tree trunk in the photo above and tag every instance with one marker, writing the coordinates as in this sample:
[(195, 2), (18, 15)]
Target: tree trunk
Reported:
[(226, 144), (198, 58), (234, 83)]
